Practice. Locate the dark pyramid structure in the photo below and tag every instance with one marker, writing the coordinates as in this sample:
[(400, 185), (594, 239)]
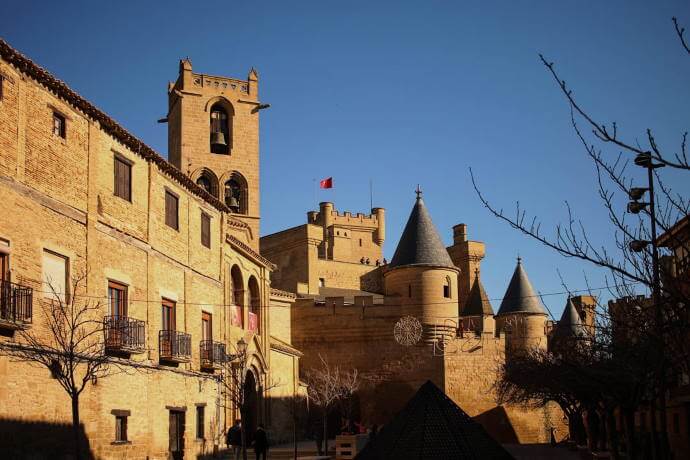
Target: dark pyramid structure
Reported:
[(520, 296), (432, 427), (420, 243), (477, 302)]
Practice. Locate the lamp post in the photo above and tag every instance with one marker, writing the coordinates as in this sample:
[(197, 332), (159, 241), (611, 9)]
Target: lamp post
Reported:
[(635, 206)]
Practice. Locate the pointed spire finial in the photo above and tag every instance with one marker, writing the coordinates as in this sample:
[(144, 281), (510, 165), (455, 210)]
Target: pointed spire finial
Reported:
[(418, 191)]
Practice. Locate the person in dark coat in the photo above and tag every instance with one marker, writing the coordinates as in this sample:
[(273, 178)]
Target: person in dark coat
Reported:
[(234, 439), (261, 443)]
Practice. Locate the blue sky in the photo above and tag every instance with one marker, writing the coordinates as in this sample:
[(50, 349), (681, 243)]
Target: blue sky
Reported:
[(400, 93)]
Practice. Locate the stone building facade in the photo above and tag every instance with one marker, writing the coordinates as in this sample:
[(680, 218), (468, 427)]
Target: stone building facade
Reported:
[(423, 316), (170, 258)]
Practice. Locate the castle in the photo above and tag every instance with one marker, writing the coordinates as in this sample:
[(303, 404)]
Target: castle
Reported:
[(425, 315), (173, 259)]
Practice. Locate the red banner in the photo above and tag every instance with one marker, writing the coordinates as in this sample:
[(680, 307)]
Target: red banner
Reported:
[(253, 322), (326, 183)]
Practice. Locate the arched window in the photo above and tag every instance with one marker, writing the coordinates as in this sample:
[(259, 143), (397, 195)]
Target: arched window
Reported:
[(220, 130), (446, 288), (236, 194), (208, 181), (254, 305), (237, 293)]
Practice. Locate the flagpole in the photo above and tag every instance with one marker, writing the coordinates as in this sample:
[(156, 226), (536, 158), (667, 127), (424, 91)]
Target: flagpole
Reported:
[(315, 203), (371, 194)]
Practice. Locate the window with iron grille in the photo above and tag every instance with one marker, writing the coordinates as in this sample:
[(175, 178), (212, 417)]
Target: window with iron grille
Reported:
[(171, 210), (59, 125), (200, 413), (205, 229), (122, 172), (120, 428)]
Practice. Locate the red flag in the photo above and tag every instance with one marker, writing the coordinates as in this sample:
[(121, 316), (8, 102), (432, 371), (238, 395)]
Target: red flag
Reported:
[(326, 183)]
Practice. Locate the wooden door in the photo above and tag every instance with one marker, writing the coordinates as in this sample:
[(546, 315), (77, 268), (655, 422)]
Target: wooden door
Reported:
[(176, 434), (168, 325)]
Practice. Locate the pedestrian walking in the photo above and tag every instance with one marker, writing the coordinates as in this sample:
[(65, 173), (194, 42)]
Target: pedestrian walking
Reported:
[(234, 439), (261, 443)]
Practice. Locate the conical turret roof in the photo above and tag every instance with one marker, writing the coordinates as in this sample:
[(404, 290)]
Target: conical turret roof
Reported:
[(420, 243), (520, 296), (477, 302), (570, 324)]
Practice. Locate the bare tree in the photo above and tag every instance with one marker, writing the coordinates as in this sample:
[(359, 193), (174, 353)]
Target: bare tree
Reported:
[(329, 385), (631, 265), (68, 340)]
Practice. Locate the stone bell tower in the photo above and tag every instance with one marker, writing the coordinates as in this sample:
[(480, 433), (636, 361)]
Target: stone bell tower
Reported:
[(213, 137)]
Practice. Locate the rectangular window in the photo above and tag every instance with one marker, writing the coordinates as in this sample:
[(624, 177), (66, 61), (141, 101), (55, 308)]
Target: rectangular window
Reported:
[(122, 172), (59, 125), (171, 212), (120, 428), (205, 229), (206, 326), (200, 422), (168, 315), (117, 299), (55, 275)]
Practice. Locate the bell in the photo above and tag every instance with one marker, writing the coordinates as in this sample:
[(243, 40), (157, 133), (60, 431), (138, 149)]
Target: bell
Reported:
[(233, 204), (218, 138)]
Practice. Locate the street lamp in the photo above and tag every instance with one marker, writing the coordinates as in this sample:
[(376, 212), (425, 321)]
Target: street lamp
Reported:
[(241, 346), (646, 161)]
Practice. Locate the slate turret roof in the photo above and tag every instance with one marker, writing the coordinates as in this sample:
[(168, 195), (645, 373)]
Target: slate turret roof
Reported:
[(520, 296), (420, 243), (477, 302), (432, 427), (570, 324)]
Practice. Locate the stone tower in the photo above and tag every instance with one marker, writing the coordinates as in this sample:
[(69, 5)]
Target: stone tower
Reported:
[(213, 137), (521, 315), (467, 256), (421, 277)]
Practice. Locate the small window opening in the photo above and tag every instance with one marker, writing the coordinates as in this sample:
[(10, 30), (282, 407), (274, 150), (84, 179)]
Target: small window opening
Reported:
[(409, 290), (121, 428), (59, 128), (200, 422), (322, 282)]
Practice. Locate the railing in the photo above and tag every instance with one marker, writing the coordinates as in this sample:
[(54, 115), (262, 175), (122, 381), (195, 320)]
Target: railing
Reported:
[(212, 353), (124, 334), (174, 345), (16, 303)]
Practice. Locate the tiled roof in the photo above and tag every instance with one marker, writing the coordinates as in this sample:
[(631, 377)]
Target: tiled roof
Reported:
[(520, 296), (107, 124), (420, 243), (432, 427)]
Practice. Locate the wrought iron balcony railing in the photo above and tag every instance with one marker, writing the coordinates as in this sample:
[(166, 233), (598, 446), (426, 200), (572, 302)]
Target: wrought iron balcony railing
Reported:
[(174, 346), (123, 334), (212, 354), (16, 305)]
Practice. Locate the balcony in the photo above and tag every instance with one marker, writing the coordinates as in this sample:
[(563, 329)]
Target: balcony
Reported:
[(212, 354), (124, 335), (174, 346), (16, 304)]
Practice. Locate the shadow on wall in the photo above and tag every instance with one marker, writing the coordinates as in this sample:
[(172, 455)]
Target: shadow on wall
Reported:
[(386, 400), (23, 439), (496, 422)]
